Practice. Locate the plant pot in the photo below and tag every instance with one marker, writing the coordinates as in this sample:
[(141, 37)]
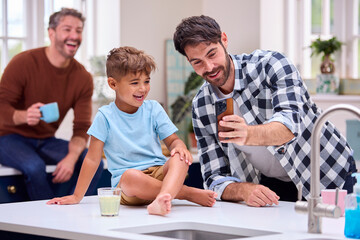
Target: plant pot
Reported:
[(327, 84), (327, 66), (192, 142)]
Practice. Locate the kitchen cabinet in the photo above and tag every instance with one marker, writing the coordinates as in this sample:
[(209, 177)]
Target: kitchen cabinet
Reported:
[(12, 186), (12, 189)]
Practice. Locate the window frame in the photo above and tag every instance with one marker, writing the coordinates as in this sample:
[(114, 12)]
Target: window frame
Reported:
[(5, 38), (298, 35), (35, 23)]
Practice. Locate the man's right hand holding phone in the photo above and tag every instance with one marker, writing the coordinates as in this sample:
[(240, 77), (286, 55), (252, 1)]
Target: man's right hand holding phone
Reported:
[(240, 132)]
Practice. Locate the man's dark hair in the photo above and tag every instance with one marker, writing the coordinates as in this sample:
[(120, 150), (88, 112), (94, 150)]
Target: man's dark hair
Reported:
[(55, 18), (195, 30)]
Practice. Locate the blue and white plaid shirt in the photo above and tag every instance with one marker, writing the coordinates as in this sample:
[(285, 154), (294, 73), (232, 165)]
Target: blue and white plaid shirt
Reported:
[(268, 88)]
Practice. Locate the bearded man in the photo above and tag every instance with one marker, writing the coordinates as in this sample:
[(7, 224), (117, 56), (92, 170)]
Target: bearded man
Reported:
[(265, 154)]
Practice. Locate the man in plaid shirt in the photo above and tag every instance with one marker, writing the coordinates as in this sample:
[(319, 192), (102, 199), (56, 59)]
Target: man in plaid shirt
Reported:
[(266, 156)]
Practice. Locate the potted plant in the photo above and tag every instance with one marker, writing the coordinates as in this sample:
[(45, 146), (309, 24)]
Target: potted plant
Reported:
[(181, 107), (102, 92), (326, 48)]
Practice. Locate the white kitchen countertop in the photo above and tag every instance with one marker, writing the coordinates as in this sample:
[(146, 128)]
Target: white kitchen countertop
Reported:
[(83, 221)]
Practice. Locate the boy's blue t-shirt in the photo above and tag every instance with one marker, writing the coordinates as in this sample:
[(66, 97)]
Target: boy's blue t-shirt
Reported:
[(132, 140)]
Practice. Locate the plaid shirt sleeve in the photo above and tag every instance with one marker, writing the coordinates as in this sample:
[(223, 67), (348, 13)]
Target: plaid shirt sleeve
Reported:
[(287, 92)]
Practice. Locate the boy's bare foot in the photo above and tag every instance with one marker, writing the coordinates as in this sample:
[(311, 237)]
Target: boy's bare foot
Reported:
[(203, 197), (161, 205)]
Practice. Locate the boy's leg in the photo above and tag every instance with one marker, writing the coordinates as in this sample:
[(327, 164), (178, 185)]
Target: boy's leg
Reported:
[(174, 176), (135, 183), (20, 153), (175, 171)]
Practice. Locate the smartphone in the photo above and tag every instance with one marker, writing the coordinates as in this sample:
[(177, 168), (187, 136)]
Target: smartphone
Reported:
[(223, 107)]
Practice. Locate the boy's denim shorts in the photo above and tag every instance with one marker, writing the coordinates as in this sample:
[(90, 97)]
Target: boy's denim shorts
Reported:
[(155, 172)]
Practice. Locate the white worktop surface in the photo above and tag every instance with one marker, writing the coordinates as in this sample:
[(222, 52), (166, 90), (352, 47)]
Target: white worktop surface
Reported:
[(83, 221)]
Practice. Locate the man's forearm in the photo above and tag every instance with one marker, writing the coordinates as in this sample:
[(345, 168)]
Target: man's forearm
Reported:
[(233, 192), (19, 117), (270, 134), (76, 147)]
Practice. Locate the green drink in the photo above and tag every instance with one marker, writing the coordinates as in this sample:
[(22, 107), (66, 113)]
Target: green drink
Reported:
[(109, 199), (109, 205)]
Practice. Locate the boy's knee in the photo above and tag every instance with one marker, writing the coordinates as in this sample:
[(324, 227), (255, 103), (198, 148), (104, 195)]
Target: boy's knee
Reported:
[(178, 162), (130, 175)]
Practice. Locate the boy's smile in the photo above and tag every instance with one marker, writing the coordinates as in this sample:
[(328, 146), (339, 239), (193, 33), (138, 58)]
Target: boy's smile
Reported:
[(131, 91)]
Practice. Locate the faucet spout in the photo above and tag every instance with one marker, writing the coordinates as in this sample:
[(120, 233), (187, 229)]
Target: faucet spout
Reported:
[(315, 208), (315, 144)]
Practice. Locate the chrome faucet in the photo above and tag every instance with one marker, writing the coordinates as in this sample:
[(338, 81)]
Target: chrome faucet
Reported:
[(314, 206)]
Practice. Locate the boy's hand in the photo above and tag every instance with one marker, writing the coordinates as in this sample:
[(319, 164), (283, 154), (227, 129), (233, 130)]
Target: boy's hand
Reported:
[(185, 155), (67, 200)]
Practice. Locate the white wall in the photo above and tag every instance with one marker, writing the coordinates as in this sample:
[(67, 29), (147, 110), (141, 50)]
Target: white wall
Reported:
[(108, 26), (240, 20), (272, 16), (147, 24)]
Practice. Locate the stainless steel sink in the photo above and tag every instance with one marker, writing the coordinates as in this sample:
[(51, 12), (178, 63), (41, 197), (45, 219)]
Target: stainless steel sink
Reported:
[(198, 231), (195, 234)]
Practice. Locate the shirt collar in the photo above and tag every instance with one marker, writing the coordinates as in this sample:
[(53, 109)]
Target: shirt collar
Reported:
[(239, 81)]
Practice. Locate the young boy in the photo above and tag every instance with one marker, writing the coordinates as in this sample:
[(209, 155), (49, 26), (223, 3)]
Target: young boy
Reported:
[(128, 130)]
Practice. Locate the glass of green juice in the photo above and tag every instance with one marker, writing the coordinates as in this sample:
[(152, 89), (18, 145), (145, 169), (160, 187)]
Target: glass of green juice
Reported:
[(109, 199)]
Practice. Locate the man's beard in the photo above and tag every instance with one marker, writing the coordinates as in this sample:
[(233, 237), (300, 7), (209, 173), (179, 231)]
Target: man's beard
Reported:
[(224, 69), (61, 47)]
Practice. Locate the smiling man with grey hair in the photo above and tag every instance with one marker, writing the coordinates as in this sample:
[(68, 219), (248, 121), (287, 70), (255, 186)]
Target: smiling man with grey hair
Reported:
[(37, 77)]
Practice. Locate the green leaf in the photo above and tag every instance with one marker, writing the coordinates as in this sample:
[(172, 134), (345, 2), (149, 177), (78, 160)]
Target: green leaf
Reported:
[(193, 82), (181, 107), (325, 47)]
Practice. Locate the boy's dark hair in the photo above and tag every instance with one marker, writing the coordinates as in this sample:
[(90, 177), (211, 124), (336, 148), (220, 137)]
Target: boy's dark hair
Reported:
[(195, 30), (124, 60), (55, 18)]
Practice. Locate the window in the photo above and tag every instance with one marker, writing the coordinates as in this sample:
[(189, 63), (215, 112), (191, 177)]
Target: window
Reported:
[(23, 25), (12, 30), (310, 19), (322, 25)]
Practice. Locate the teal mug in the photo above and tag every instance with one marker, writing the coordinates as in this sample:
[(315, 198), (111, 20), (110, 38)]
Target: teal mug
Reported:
[(49, 112)]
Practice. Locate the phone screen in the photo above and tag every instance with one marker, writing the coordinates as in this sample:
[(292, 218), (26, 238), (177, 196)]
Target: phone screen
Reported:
[(223, 107)]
